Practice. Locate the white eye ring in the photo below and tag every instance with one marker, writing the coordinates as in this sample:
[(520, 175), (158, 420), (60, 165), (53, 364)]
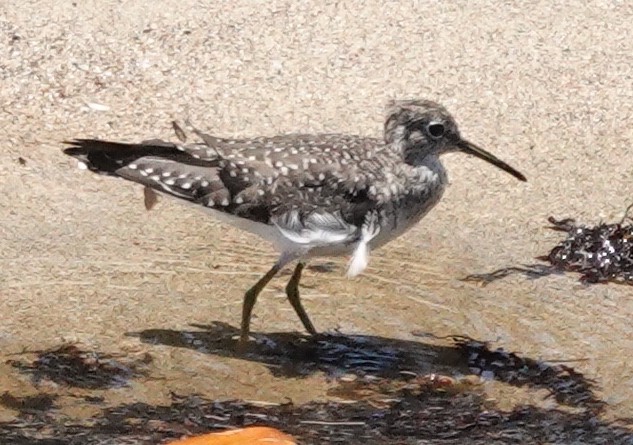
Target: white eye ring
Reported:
[(435, 129)]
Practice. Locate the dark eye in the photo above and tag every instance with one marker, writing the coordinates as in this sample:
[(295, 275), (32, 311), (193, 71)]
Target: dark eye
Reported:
[(435, 130)]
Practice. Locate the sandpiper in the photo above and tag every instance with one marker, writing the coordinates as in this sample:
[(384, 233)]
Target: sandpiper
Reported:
[(309, 195)]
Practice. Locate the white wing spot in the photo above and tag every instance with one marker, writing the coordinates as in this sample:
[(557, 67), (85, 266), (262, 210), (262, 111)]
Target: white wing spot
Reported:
[(204, 184), (132, 166), (260, 192), (186, 185), (166, 174), (239, 200), (225, 202), (170, 182)]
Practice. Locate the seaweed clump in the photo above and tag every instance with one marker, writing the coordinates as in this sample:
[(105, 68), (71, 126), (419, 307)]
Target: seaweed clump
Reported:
[(70, 366), (602, 253)]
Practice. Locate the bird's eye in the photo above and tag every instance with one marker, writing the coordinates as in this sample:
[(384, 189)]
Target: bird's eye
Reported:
[(436, 130)]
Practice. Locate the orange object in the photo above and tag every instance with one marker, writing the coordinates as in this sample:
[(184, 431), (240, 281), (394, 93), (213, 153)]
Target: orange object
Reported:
[(256, 435)]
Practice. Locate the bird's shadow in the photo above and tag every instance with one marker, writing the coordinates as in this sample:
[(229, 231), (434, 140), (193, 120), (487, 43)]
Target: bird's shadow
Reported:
[(293, 355)]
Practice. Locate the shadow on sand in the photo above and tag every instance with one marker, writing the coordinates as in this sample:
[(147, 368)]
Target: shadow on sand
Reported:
[(293, 355), (396, 397)]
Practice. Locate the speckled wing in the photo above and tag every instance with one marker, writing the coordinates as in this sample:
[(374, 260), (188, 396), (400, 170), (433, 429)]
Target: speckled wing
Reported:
[(315, 189), (191, 172)]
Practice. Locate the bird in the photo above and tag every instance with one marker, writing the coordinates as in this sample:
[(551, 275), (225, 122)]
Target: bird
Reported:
[(309, 195)]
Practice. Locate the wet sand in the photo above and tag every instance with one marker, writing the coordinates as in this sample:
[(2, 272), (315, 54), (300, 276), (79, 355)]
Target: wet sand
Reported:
[(545, 86)]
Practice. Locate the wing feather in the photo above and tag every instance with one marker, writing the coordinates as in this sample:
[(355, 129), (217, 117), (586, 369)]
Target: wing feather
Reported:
[(314, 189)]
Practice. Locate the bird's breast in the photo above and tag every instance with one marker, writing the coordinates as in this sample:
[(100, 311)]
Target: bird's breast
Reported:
[(422, 191)]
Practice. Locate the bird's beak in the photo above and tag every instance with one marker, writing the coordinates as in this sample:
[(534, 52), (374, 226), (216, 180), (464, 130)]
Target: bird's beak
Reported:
[(472, 149)]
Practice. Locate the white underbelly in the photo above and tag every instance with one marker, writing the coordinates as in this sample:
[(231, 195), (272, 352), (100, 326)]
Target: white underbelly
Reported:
[(321, 248)]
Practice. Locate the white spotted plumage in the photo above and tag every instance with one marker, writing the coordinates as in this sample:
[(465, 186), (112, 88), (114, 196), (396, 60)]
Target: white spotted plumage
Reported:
[(310, 195)]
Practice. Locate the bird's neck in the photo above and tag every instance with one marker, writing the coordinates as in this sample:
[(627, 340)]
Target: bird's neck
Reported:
[(429, 169)]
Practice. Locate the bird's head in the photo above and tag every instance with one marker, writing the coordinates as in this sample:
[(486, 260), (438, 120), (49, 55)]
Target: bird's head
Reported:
[(419, 128)]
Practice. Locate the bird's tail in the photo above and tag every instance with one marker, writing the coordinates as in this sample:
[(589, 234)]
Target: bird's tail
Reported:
[(185, 171), (107, 158)]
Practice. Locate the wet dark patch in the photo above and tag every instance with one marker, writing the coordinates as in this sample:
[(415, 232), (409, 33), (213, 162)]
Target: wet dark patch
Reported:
[(417, 412), (68, 365), (602, 253)]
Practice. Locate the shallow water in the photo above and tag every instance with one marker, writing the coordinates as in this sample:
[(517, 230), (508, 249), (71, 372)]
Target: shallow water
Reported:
[(175, 318), (158, 295)]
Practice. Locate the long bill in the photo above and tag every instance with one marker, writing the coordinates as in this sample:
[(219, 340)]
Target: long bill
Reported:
[(472, 149)]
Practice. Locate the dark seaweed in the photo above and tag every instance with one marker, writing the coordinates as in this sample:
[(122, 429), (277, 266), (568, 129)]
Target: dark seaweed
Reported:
[(602, 253), (68, 365)]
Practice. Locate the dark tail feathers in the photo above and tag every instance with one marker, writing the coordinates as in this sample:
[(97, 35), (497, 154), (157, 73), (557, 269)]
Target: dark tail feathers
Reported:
[(106, 157)]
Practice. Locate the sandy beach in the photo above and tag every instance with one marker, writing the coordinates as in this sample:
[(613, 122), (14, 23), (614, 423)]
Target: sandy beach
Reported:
[(546, 86)]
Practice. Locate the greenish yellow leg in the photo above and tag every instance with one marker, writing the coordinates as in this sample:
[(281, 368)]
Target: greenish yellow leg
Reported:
[(292, 290), (249, 302)]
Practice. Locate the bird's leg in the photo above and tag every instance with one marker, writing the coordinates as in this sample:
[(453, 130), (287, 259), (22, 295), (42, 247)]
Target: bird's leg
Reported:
[(292, 290), (249, 302)]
